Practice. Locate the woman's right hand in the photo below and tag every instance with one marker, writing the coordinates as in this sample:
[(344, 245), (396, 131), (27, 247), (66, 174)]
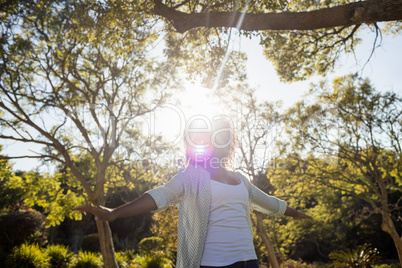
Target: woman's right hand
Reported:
[(101, 213), (143, 204)]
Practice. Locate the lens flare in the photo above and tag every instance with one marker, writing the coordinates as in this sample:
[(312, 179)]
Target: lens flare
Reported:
[(199, 149)]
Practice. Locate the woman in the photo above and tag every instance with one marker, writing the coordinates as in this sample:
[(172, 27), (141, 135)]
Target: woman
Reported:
[(214, 203)]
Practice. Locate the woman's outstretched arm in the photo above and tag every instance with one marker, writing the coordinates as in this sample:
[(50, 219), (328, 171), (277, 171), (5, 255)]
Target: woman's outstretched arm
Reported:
[(295, 214), (141, 205)]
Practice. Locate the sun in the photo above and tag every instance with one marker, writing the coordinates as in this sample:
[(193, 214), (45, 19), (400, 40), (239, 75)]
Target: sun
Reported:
[(195, 102)]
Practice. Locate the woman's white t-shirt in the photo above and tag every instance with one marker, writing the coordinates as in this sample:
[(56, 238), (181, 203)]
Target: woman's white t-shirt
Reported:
[(228, 238)]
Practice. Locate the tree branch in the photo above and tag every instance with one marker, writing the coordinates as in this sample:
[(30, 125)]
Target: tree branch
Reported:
[(25, 140), (31, 157), (370, 11)]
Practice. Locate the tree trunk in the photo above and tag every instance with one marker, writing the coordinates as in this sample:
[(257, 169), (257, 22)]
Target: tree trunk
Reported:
[(273, 261), (106, 244), (389, 227)]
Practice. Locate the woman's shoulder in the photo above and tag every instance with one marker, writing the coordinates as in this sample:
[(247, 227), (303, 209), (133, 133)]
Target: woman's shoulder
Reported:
[(240, 175)]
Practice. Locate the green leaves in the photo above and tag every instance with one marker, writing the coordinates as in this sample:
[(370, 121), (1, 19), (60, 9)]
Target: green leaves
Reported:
[(299, 55), (10, 191), (27, 255), (56, 199), (360, 256), (206, 55)]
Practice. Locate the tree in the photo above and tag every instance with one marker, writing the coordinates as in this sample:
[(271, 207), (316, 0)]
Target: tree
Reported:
[(337, 225), (301, 38), (348, 138), (76, 78)]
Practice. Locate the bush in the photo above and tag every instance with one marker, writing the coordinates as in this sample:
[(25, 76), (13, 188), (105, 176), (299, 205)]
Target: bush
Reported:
[(129, 255), (18, 227), (59, 256), (86, 259), (27, 256), (151, 261), (91, 243), (301, 264), (150, 244), (361, 256), (386, 266), (122, 260)]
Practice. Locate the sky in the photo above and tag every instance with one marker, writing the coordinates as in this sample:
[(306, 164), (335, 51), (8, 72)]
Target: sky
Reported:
[(383, 69)]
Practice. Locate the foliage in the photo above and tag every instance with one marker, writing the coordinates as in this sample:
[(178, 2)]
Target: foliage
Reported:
[(360, 256), (150, 244), (10, 192), (165, 227), (19, 227), (333, 218), (90, 243), (122, 260), (341, 143), (49, 192), (87, 260), (338, 221), (385, 266), (150, 261), (210, 61), (27, 256), (52, 193), (128, 256), (301, 264), (154, 253), (59, 256), (298, 55)]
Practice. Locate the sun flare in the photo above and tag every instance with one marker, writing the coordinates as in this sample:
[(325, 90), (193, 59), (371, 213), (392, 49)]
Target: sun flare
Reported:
[(196, 102)]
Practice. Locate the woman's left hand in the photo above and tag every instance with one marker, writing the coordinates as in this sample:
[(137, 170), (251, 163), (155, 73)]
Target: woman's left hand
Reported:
[(302, 216), (297, 215)]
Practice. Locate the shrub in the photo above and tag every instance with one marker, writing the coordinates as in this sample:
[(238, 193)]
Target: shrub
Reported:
[(129, 255), (150, 244), (359, 257), (86, 259), (122, 260), (91, 243), (386, 266), (151, 261), (300, 264), (59, 256), (27, 256), (18, 227)]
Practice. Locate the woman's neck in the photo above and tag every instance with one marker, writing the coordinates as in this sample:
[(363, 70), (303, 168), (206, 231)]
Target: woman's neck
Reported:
[(217, 171)]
